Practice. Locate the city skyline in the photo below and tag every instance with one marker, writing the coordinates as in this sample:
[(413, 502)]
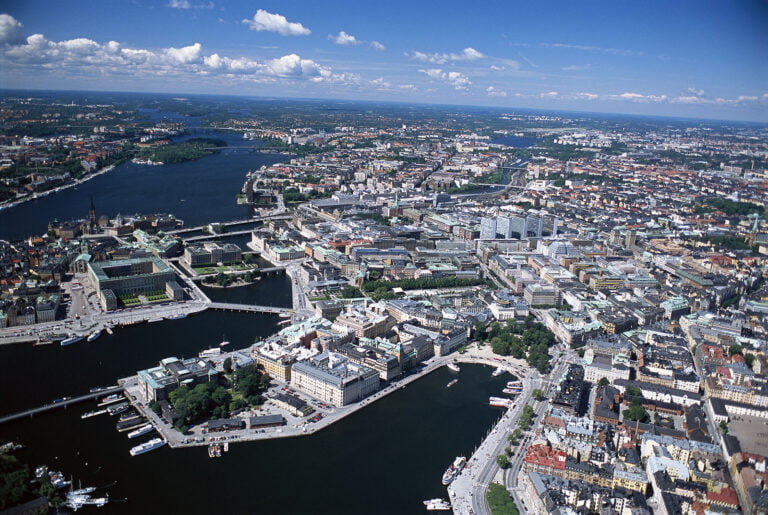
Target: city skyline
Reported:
[(703, 60)]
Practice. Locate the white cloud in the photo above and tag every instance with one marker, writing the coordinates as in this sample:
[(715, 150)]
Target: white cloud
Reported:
[(493, 92), (179, 4), (576, 67), (468, 54), (375, 45), (695, 92), (458, 80), (10, 29), (586, 96), (265, 21), (187, 54), (594, 49), (345, 39), (549, 94)]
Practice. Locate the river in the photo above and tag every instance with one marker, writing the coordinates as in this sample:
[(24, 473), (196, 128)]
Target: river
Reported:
[(197, 192)]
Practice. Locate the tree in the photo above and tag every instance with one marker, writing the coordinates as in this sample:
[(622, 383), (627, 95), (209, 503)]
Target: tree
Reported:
[(603, 382), (14, 481), (227, 365), (155, 406), (749, 359), (502, 461), (735, 349), (536, 393), (507, 450), (636, 412), (723, 427)]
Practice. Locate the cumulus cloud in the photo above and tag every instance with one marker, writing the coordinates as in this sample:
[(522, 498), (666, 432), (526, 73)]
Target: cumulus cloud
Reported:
[(179, 4), (10, 29), (493, 92), (458, 80), (266, 21), (468, 54), (84, 56), (586, 96), (375, 45), (345, 39)]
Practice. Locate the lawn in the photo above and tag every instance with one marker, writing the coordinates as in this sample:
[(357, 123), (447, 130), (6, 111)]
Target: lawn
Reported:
[(499, 500)]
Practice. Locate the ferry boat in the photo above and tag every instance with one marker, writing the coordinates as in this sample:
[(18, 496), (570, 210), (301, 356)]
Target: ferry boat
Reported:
[(210, 353), (116, 409), (511, 391), (437, 505), (454, 470), (90, 414), (130, 415), (94, 336), (497, 372), (180, 316), (514, 384), (454, 367), (147, 446), (75, 502), (499, 402), (146, 428), (452, 383), (72, 339)]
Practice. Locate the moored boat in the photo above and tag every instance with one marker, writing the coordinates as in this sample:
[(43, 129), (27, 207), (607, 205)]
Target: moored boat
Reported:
[(497, 372), (147, 446), (72, 339), (146, 428), (454, 367), (437, 505), (94, 335)]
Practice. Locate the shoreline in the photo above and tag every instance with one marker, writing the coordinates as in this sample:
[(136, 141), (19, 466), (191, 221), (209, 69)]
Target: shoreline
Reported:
[(13, 203), (176, 440)]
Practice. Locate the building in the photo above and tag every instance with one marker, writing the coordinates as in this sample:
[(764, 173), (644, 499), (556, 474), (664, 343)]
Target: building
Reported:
[(540, 294), (156, 384), (334, 379), (112, 279), (211, 253)]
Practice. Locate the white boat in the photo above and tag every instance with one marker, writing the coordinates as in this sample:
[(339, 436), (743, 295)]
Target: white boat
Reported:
[(497, 372), (454, 470), (224, 343), (514, 384), (116, 409), (180, 316), (452, 383), (500, 402), (454, 367), (437, 505), (109, 399), (512, 391), (147, 446), (146, 428), (93, 336), (72, 339), (210, 353)]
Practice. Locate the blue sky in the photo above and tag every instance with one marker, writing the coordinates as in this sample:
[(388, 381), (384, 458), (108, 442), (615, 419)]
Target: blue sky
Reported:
[(698, 59)]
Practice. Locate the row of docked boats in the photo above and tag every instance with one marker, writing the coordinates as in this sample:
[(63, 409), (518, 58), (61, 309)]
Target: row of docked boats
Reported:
[(76, 338), (151, 445)]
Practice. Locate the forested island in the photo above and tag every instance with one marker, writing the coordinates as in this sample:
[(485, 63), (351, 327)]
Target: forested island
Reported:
[(189, 150)]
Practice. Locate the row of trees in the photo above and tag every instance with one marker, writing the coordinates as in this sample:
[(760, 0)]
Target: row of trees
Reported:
[(529, 339)]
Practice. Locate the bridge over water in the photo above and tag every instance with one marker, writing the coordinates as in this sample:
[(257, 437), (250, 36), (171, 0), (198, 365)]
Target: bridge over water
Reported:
[(250, 308), (61, 404)]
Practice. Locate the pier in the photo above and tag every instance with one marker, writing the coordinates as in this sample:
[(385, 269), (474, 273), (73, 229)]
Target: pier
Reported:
[(62, 404), (217, 236)]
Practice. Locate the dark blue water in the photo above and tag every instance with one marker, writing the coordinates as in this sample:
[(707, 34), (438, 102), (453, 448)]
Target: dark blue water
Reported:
[(197, 192), (515, 141), (384, 459)]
